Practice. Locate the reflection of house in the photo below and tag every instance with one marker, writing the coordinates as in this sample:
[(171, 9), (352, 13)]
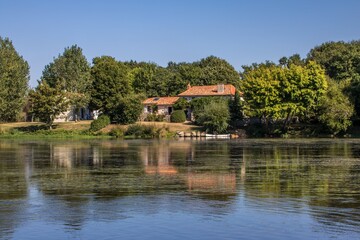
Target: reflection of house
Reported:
[(156, 160), (164, 105), (216, 182)]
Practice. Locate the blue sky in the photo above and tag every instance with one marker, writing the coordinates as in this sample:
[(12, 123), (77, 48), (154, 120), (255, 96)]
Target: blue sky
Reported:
[(241, 32)]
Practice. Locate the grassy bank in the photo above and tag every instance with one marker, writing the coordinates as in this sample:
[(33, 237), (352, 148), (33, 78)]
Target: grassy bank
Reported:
[(80, 130)]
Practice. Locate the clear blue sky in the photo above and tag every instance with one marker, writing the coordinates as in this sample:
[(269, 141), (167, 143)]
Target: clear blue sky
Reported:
[(241, 32)]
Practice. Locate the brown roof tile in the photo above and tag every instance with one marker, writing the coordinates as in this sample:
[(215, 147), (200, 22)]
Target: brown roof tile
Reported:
[(210, 90), (160, 101)]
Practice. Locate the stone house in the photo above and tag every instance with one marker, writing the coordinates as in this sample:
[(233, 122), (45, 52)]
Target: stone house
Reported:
[(164, 105)]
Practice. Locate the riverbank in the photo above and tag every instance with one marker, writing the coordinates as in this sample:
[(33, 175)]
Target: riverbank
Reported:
[(80, 130)]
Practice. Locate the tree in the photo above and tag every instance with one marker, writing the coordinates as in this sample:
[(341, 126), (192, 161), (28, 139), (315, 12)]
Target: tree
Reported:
[(70, 72), (261, 88), (181, 104), (341, 62), (236, 109), (109, 83), (215, 116), (279, 93), (14, 78), (47, 103), (127, 110), (335, 109)]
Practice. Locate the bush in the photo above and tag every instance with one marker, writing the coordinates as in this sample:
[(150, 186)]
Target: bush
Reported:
[(128, 110), (117, 132), (178, 116), (139, 130), (215, 117), (99, 123), (153, 117), (146, 131)]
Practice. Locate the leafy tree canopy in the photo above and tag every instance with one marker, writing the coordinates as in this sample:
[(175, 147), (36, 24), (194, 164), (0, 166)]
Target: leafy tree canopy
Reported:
[(70, 72), (109, 83), (14, 78)]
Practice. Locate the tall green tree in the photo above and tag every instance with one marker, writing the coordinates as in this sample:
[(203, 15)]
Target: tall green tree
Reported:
[(70, 71), (14, 78), (109, 83), (236, 109), (46, 103)]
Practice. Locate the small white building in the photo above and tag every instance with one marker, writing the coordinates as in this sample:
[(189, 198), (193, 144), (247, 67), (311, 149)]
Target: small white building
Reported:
[(159, 105), (73, 114)]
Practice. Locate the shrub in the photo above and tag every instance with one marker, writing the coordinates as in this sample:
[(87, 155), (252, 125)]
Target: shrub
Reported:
[(215, 117), (99, 123), (147, 131), (178, 116), (139, 130), (128, 110), (153, 117), (117, 132)]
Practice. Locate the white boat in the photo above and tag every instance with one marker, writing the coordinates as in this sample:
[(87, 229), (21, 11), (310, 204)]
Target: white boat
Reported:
[(217, 135)]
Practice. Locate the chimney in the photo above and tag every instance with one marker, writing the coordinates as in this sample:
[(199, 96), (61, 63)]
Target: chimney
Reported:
[(220, 88), (188, 86)]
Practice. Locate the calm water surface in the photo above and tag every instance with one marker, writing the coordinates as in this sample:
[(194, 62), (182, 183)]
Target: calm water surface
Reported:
[(140, 189)]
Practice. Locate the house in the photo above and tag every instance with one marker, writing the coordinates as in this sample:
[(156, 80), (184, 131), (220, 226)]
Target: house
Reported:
[(159, 105), (74, 114), (164, 105)]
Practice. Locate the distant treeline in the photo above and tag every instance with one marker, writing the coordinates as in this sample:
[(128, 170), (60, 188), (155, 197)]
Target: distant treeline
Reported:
[(324, 87)]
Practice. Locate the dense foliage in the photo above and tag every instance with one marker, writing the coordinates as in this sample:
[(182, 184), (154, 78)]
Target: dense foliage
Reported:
[(127, 110), (14, 77), (274, 92), (178, 116), (341, 62), (335, 109), (99, 123)]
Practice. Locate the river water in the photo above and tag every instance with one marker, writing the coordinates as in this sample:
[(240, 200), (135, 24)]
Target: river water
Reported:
[(155, 189)]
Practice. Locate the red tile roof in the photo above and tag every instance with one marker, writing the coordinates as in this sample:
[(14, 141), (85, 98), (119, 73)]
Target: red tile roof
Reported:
[(210, 90), (160, 101)]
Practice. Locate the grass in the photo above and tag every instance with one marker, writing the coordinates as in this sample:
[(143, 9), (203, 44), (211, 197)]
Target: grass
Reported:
[(80, 130)]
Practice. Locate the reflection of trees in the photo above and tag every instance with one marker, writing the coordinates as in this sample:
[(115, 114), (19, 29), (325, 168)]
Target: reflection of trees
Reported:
[(13, 185), (12, 171), (324, 173)]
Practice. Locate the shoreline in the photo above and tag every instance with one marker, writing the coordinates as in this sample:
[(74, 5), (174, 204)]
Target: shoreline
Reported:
[(80, 130)]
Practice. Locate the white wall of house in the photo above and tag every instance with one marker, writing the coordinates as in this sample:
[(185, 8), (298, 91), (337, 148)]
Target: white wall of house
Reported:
[(69, 115), (161, 109)]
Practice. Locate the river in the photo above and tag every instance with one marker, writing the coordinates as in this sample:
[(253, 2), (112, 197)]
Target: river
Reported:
[(180, 189)]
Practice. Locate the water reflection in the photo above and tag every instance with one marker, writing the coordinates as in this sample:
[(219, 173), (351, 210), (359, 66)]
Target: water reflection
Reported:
[(110, 180)]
